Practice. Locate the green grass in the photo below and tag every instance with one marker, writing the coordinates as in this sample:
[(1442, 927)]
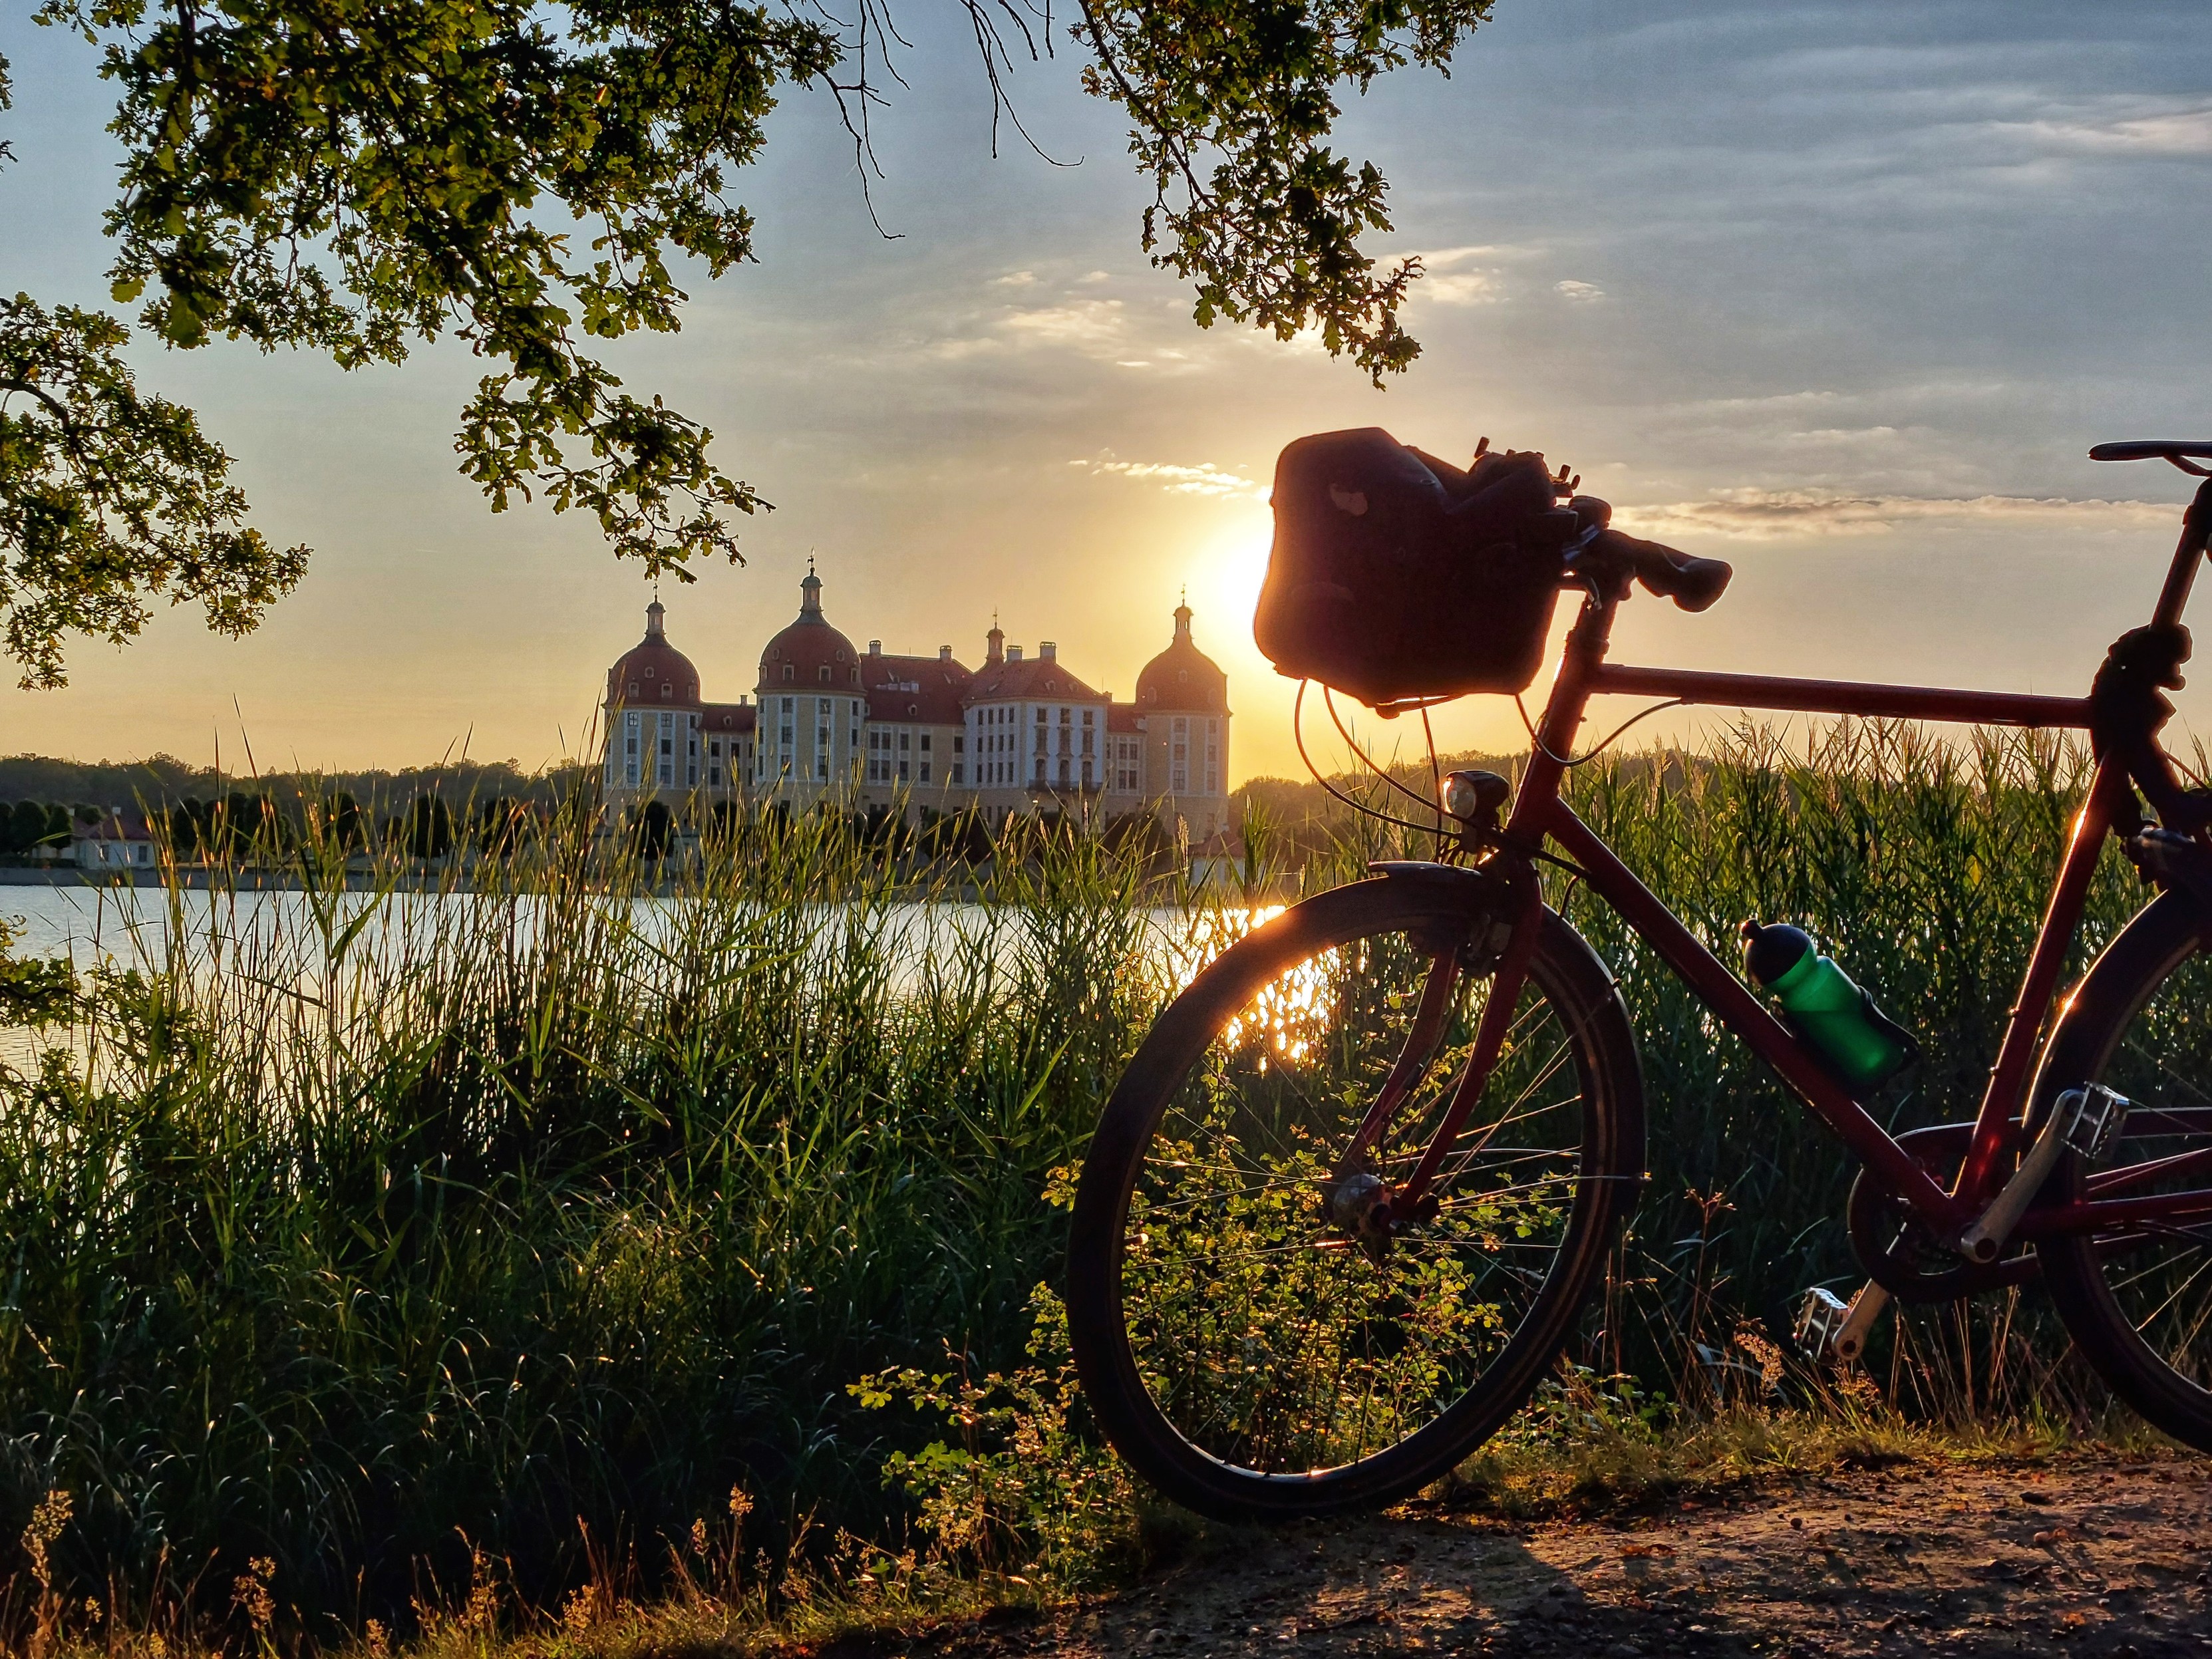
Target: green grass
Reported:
[(386, 1240)]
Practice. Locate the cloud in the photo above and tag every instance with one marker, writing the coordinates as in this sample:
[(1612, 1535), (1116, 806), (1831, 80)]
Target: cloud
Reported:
[(1204, 479), (1094, 325), (1574, 290), (1451, 277), (1460, 288), (1773, 515), (2176, 132), (1096, 328), (1014, 279)]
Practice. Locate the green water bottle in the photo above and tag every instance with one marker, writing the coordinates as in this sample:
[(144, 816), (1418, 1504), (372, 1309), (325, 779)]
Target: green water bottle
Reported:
[(1838, 1020)]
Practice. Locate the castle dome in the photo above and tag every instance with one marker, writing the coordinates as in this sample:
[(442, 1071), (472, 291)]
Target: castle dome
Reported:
[(1182, 677), (809, 651), (653, 671)]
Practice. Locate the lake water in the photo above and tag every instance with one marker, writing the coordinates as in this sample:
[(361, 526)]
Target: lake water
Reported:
[(127, 927)]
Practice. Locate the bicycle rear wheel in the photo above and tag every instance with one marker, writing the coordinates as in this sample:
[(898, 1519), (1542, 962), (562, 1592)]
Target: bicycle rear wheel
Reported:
[(1239, 1347), (2137, 1300)]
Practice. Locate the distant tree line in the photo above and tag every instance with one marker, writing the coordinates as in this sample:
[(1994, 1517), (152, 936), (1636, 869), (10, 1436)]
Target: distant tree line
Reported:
[(28, 825), (288, 813), (162, 780)]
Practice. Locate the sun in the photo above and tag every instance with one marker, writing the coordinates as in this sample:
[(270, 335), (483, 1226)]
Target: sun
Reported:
[(1227, 567)]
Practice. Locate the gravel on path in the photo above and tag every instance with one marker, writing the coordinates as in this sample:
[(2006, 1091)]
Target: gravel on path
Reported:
[(2077, 1555)]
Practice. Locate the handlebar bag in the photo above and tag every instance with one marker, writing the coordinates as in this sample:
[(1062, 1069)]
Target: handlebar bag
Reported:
[(1395, 576)]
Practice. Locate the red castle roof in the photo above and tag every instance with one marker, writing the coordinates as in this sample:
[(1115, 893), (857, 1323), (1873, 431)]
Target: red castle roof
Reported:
[(1182, 677), (809, 653), (653, 671), (728, 717), (922, 690)]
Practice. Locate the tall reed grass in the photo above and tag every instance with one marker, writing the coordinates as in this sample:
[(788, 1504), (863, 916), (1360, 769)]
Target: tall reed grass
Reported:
[(374, 1235)]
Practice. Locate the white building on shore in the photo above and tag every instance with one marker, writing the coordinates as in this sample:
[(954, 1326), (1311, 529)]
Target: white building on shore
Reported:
[(828, 722)]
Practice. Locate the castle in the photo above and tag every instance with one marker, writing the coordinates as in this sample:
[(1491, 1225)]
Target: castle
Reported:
[(828, 723)]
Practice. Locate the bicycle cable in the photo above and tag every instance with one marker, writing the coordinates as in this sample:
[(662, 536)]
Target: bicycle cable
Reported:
[(1297, 732), (1588, 756), (1493, 838), (1366, 760)]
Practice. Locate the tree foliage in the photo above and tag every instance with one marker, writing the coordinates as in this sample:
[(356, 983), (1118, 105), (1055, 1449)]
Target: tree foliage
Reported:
[(1233, 104), (360, 177), (109, 498)]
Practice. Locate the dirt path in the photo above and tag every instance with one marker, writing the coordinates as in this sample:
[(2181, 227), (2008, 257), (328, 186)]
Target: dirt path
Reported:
[(2071, 1557)]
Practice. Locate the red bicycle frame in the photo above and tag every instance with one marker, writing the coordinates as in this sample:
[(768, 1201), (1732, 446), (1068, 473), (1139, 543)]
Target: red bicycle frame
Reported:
[(1540, 814)]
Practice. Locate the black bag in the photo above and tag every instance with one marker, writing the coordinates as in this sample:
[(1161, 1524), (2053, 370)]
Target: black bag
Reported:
[(1395, 576)]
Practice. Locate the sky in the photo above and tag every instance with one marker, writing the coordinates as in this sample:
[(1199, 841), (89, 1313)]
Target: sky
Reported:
[(1841, 293)]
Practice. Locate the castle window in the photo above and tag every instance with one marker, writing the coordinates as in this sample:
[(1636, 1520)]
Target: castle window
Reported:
[(925, 746), (955, 773), (789, 672), (959, 747), (632, 691), (823, 673), (925, 771)]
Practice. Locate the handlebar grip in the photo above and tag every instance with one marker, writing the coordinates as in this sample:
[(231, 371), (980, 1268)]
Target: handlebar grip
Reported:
[(1692, 583)]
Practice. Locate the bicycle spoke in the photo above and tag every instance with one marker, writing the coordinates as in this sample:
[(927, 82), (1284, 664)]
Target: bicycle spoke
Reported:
[(1281, 1343)]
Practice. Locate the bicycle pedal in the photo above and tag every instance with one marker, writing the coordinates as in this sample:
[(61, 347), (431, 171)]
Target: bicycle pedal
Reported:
[(2096, 1115), (1820, 1316)]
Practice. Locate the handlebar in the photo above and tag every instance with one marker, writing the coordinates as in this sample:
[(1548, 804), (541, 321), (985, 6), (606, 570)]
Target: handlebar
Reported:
[(1692, 583)]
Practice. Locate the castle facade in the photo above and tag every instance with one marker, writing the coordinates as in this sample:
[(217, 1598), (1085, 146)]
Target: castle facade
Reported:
[(828, 723)]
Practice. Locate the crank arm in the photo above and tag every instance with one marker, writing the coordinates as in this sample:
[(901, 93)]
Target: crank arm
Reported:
[(2089, 1120)]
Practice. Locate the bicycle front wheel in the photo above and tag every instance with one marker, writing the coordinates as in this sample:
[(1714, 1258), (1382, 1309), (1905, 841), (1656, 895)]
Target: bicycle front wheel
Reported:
[(1246, 1350)]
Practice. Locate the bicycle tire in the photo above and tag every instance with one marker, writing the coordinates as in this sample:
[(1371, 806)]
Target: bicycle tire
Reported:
[(1434, 913), (2137, 1310)]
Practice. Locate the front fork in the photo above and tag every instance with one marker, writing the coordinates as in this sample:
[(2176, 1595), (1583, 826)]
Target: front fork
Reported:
[(1358, 1202)]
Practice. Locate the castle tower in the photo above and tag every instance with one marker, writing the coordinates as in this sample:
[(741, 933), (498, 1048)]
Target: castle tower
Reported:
[(812, 705), (652, 717), (1183, 699)]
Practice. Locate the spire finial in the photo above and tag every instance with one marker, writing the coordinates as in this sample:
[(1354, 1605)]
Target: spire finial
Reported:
[(810, 593)]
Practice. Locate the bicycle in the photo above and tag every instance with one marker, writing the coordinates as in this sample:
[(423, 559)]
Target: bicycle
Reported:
[(1301, 1280)]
